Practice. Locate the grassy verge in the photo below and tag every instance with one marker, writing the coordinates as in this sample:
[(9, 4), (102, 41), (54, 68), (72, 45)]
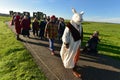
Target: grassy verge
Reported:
[(109, 36), (16, 63)]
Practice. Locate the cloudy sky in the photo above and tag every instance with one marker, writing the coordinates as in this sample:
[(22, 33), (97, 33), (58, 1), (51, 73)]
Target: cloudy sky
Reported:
[(95, 10)]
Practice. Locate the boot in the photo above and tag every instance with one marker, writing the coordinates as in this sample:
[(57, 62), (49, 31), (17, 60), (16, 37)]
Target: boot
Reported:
[(18, 38)]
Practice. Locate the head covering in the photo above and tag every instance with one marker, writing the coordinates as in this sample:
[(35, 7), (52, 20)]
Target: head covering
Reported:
[(53, 17), (96, 33), (35, 19)]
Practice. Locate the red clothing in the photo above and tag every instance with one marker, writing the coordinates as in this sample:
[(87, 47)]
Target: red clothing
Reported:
[(17, 24), (35, 25), (25, 24)]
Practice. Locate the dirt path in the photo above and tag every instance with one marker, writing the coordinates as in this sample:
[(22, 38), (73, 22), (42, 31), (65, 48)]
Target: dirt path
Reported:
[(91, 68)]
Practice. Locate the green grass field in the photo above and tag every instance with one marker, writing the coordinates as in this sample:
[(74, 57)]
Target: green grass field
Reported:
[(109, 37), (16, 63)]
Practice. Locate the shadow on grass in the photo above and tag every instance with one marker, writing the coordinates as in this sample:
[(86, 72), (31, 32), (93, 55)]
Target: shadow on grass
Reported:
[(115, 50), (104, 35), (85, 33), (109, 48)]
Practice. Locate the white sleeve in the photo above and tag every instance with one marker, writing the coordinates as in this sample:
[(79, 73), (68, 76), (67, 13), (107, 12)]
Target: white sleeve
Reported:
[(66, 36)]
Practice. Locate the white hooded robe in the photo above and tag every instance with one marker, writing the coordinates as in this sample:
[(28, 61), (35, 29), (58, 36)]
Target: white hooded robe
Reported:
[(67, 55)]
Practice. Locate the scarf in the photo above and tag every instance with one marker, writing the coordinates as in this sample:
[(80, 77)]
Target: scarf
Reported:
[(75, 33)]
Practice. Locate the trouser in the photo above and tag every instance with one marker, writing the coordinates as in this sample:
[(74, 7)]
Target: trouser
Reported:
[(25, 32), (35, 31), (41, 33), (51, 44)]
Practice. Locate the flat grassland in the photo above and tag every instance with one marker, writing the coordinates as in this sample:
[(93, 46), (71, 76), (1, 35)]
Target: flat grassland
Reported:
[(16, 63), (109, 37)]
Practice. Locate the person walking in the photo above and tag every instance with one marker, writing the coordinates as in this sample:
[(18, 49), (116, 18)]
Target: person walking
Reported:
[(51, 31), (61, 28), (17, 26), (25, 24), (72, 38), (42, 28), (35, 27)]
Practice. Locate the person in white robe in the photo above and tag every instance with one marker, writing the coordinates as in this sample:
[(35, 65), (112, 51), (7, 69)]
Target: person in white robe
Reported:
[(70, 49)]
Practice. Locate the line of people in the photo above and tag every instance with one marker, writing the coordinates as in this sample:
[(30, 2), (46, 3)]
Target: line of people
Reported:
[(22, 25), (50, 27)]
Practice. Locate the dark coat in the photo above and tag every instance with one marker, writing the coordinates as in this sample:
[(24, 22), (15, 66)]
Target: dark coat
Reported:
[(35, 25)]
